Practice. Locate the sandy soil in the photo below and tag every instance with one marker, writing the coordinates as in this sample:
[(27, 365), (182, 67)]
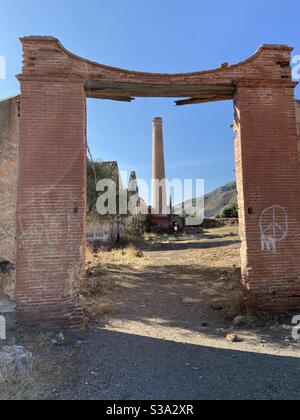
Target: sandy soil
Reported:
[(150, 296)]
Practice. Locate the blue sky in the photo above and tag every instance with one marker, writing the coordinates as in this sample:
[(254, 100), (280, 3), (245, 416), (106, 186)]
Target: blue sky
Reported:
[(162, 36)]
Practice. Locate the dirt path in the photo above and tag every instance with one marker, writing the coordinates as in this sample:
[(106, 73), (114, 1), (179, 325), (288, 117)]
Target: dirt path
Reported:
[(158, 331), (186, 292)]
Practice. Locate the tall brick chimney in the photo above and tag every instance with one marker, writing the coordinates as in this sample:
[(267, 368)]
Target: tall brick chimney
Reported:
[(159, 198)]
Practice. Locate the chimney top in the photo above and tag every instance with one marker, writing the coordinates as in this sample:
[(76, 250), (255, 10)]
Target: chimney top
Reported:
[(157, 119)]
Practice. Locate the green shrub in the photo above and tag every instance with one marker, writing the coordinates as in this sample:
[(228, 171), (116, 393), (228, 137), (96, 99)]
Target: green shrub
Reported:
[(231, 212)]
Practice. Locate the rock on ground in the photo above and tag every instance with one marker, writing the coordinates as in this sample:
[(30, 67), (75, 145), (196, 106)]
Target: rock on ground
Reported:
[(15, 363), (232, 338), (239, 321)]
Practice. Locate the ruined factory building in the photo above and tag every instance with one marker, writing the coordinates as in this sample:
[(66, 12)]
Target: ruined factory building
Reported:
[(51, 130)]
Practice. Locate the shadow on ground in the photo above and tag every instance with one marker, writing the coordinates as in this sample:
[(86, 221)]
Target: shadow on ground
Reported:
[(182, 246), (111, 364), (116, 366), (145, 368)]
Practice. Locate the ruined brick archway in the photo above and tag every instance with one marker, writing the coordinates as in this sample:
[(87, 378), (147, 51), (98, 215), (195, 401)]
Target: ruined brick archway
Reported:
[(51, 186)]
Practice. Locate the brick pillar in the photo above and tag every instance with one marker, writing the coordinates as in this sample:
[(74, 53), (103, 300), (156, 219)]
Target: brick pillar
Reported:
[(269, 193), (298, 125), (298, 117), (51, 201)]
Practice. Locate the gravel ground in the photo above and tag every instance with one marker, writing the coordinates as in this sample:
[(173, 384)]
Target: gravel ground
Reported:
[(128, 367), (153, 346)]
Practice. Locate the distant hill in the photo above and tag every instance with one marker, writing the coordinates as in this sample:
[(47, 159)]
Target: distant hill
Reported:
[(217, 200)]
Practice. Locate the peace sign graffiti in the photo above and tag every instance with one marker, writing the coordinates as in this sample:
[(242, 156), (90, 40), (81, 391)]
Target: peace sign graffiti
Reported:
[(273, 227)]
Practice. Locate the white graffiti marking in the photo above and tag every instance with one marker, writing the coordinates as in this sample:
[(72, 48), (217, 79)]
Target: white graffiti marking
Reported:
[(44, 233), (273, 227)]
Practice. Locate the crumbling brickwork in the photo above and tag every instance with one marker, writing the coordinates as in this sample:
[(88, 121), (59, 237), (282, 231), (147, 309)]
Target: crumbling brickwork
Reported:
[(51, 203), (9, 143), (298, 125), (268, 175)]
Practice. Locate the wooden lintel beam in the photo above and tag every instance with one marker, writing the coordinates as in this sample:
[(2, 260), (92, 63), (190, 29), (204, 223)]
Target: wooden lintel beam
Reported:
[(146, 90), (192, 101), (111, 98)]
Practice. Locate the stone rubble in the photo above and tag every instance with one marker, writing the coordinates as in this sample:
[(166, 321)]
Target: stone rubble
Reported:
[(15, 363)]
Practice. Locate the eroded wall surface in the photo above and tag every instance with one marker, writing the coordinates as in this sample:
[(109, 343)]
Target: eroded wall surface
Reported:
[(298, 125), (52, 191), (9, 141), (106, 232)]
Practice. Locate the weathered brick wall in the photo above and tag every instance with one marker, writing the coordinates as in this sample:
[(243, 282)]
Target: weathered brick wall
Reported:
[(298, 125), (9, 142), (107, 233), (51, 206), (268, 177), (45, 56), (51, 202)]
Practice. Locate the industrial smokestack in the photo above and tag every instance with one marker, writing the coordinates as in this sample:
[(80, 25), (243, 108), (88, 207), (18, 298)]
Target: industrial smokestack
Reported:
[(159, 198)]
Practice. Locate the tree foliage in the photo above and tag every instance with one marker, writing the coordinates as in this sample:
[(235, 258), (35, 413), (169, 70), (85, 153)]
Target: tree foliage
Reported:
[(96, 171), (231, 212)]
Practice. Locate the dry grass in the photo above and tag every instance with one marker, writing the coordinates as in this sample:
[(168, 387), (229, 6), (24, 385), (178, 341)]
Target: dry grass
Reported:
[(236, 294), (97, 307), (102, 259), (134, 237), (103, 275), (131, 251)]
